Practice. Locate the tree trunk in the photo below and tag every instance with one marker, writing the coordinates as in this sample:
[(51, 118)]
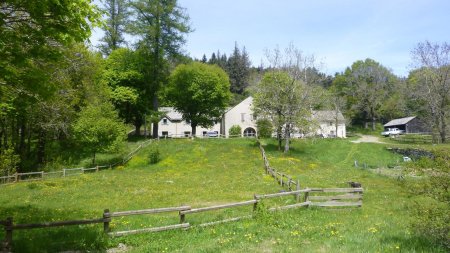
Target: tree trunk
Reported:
[(155, 124), (287, 133), (194, 129), (41, 147), (442, 130), (279, 137)]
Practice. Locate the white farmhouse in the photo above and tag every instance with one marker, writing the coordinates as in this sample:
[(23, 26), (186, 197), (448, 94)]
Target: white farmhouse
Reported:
[(173, 125), (241, 115)]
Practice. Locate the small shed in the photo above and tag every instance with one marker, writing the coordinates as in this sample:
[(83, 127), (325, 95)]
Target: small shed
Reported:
[(408, 124)]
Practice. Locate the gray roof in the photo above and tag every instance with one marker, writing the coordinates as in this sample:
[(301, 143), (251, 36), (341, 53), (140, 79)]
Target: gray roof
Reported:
[(396, 122), (171, 113), (327, 116)]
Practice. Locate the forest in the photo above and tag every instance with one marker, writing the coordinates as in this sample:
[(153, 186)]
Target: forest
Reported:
[(61, 97)]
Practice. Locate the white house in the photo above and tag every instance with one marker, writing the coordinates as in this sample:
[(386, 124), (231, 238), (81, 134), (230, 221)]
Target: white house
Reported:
[(241, 115), (173, 125), (327, 124)]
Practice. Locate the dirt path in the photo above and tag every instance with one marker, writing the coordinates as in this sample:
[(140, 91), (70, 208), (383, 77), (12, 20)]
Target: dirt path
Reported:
[(368, 138)]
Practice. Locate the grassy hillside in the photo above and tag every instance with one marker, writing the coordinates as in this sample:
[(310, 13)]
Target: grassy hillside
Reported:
[(208, 172)]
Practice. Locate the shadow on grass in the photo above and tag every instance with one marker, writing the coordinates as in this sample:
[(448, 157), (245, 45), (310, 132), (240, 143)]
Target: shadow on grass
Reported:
[(53, 239)]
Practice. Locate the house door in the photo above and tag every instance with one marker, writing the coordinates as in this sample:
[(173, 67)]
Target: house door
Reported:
[(249, 132)]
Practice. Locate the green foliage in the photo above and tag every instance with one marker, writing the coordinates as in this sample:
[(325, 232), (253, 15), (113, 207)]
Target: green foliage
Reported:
[(99, 129), (123, 72), (117, 20), (8, 162), (235, 131), (200, 92), (238, 69), (154, 156), (432, 217), (265, 128)]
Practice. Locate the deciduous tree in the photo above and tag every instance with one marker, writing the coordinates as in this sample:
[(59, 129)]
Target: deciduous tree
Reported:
[(431, 83), (200, 92)]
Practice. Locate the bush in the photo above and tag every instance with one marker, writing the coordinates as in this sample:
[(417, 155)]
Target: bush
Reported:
[(264, 127), (235, 130), (154, 156), (432, 217)]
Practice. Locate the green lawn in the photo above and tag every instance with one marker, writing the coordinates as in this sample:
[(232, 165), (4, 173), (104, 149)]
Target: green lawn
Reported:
[(212, 171)]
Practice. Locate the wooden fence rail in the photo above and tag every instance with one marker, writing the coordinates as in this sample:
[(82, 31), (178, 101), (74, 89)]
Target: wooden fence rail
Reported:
[(65, 172), (106, 219)]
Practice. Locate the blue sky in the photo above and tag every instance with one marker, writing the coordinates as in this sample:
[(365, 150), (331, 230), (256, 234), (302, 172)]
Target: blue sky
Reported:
[(337, 32)]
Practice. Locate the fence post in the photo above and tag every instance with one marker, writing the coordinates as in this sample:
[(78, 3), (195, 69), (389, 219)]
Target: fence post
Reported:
[(297, 187), (306, 197), (96, 168), (255, 206), (182, 217), (106, 220), (42, 174), (16, 177), (64, 172), (8, 234)]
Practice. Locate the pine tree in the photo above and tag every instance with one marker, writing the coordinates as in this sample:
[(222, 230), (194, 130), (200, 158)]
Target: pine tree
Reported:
[(118, 13), (161, 24), (238, 70)]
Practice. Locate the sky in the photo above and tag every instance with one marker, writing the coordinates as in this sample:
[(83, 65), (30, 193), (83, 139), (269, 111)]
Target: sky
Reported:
[(336, 32)]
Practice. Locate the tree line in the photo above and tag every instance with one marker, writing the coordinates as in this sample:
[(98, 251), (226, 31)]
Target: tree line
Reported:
[(59, 95)]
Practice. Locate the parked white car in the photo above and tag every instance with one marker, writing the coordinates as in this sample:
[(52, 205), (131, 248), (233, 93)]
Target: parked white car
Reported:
[(392, 132)]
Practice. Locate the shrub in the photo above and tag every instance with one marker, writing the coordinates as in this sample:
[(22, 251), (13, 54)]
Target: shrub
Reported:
[(154, 156), (431, 212), (235, 130), (264, 127)]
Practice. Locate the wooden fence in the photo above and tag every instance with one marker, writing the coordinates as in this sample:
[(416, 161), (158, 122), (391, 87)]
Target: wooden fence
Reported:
[(283, 179), (40, 175), (352, 198)]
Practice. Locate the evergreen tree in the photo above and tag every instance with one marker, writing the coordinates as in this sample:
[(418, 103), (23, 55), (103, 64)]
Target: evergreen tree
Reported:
[(118, 13), (161, 25), (204, 60), (238, 70)]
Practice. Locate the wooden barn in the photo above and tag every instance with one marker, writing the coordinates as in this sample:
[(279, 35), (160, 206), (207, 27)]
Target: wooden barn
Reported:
[(408, 124)]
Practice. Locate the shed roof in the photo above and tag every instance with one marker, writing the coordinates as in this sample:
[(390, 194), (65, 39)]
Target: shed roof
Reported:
[(401, 121)]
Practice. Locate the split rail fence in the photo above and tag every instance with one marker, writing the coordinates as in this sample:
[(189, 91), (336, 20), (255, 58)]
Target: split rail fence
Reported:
[(352, 197), (40, 175)]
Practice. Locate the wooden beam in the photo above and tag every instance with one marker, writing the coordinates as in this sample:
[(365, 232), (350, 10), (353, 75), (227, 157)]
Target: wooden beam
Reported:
[(210, 208), (307, 203), (335, 204), (280, 194), (149, 230), (150, 211)]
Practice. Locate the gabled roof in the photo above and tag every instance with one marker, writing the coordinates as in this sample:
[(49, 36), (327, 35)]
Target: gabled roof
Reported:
[(171, 113), (396, 122), (327, 116)]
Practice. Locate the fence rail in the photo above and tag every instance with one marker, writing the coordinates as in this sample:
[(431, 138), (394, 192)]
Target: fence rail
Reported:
[(65, 172), (106, 219)]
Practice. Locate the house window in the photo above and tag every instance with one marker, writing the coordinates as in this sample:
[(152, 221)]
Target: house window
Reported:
[(242, 117), (165, 133), (331, 123), (254, 117), (205, 133), (187, 134), (188, 122), (164, 121)]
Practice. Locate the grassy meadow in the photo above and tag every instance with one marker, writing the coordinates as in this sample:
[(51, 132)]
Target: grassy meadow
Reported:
[(213, 171)]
